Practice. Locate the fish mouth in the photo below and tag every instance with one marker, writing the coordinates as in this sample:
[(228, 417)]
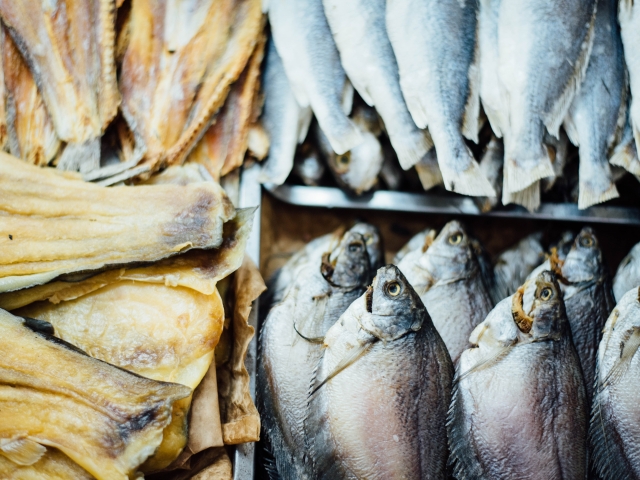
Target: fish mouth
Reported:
[(523, 321)]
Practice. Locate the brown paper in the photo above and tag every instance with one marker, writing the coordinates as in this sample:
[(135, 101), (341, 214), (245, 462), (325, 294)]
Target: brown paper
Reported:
[(206, 428), (211, 464)]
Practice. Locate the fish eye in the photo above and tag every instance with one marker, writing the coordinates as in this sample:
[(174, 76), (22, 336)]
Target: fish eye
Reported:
[(344, 160), (546, 294), (455, 239), (393, 289), (586, 241), (355, 247)]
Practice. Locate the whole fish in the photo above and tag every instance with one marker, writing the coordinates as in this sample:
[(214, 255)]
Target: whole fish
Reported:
[(357, 169), (588, 299), (615, 414), (434, 43), (449, 271), (285, 121), (519, 408), (597, 114), (629, 17), (491, 166), (309, 165), (290, 349), (359, 29), (628, 273), (312, 63), (539, 85), (378, 402), (514, 265)]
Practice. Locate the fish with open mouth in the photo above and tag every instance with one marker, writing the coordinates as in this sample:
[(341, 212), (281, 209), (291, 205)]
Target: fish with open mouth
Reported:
[(290, 345), (378, 401), (628, 273), (446, 271), (615, 416), (519, 408)]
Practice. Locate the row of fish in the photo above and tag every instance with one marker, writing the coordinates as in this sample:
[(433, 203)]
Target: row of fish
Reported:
[(428, 66), (370, 371)]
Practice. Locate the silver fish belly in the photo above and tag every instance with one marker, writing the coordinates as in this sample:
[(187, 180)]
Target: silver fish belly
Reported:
[(628, 273)]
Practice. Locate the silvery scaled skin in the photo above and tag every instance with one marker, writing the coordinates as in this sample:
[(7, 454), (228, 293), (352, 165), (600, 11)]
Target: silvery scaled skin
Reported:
[(597, 114), (450, 279), (382, 413), (290, 348), (519, 407), (416, 244), (515, 264), (588, 299), (312, 63), (491, 166), (360, 33), (434, 43), (628, 274), (283, 118), (629, 17), (615, 415)]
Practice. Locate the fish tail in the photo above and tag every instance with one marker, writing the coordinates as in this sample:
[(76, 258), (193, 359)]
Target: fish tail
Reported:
[(524, 167), (625, 156), (83, 157), (596, 183), (529, 197), (411, 148), (428, 170), (590, 195), (341, 132), (462, 174)]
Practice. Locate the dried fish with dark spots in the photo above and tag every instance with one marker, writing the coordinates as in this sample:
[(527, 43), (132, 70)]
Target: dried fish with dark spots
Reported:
[(514, 265), (302, 36), (290, 346), (519, 408), (359, 29), (78, 85), (381, 390), (449, 271), (628, 274), (434, 43)]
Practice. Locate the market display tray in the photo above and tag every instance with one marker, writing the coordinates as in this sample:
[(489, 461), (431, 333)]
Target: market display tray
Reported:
[(331, 197)]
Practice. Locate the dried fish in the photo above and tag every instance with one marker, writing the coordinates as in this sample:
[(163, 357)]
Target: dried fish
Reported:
[(514, 265), (629, 17), (625, 154), (491, 166), (421, 239), (628, 274), (309, 165), (53, 465)]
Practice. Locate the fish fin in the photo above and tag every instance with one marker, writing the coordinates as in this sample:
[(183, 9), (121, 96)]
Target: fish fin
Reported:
[(303, 329), (494, 120), (572, 131), (517, 178), (347, 97), (410, 150), (428, 170), (627, 350), (554, 118), (625, 156), (471, 119), (304, 121), (83, 157), (22, 451), (589, 195), (487, 361), (470, 181), (529, 198)]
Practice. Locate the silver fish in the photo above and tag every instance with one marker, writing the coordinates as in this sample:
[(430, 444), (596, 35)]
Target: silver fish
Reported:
[(285, 121), (434, 43), (625, 154), (628, 273), (514, 265), (312, 63), (450, 272), (615, 414), (519, 408), (491, 166), (290, 349), (420, 241), (309, 166), (629, 17), (597, 114), (377, 407), (539, 85)]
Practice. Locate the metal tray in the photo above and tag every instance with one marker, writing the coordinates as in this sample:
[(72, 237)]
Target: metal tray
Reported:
[(330, 197)]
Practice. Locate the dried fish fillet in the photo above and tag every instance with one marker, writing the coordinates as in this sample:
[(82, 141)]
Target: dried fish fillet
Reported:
[(31, 134), (178, 66), (103, 418), (78, 85), (53, 465), (80, 226)]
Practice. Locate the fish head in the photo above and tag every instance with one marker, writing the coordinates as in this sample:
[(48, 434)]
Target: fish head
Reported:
[(538, 308), (584, 261), (309, 166), (394, 307), (373, 241), (451, 256), (348, 265), (358, 168)]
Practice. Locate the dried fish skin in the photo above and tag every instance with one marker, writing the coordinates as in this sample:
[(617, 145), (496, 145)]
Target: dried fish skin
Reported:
[(491, 166), (53, 465), (78, 85), (628, 273), (514, 265), (523, 362), (629, 18), (625, 154), (89, 227), (615, 417), (31, 134), (383, 352), (55, 401)]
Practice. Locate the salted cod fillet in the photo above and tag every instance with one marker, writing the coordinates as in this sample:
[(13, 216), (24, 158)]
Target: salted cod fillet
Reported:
[(103, 418), (53, 223), (78, 85)]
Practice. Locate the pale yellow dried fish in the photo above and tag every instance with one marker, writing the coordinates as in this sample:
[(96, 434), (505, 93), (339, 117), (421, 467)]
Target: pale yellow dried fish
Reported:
[(54, 465)]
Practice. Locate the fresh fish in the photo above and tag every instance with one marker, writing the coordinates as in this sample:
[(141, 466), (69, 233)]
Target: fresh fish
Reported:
[(615, 414), (597, 114), (309, 166), (628, 274), (625, 154), (515, 264), (285, 121), (519, 408), (539, 86), (78, 85), (434, 43), (629, 17), (491, 166), (359, 29), (450, 272), (290, 346), (378, 401), (312, 63), (421, 240), (357, 169)]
